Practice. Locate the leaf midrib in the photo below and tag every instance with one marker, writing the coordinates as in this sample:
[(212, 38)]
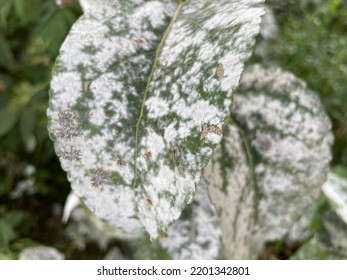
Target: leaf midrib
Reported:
[(149, 80)]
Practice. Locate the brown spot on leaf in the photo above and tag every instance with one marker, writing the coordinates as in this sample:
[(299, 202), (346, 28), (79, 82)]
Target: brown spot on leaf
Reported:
[(120, 161), (215, 129), (207, 128), (174, 152), (72, 154), (86, 86), (220, 71), (220, 211), (69, 125), (148, 155), (99, 177), (139, 41), (181, 172), (149, 201)]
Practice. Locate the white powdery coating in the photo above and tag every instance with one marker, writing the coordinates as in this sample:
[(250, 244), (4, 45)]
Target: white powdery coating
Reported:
[(177, 47), (288, 128), (153, 11), (177, 44), (158, 107), (335, 189), (96, 7), (269, 27), (81, 36), (179, 80), (168, 192), (41, 253), (336, 232), (198, 237), (66, 82), (199, 110), (116, 207), (90, 157), (234, 205), (108, 56), (153, 144)]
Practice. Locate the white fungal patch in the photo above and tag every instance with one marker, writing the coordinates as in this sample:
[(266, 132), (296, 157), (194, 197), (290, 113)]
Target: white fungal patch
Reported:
[(232, 195), (98, 116), (153, 12), (123, 215), (169, 192), (66, 82), (154, 143), (157, 107), (104, 86), (335, 189), (197, 237)]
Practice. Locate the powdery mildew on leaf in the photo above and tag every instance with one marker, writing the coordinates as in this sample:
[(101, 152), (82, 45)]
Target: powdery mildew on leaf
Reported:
[(335, 189), (41, 253), (334, 238), (137, 80), (289, 139), (231, 189), (196, 235)]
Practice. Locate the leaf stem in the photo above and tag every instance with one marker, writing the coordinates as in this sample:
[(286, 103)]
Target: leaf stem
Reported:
[(150, 77), (248, 150)]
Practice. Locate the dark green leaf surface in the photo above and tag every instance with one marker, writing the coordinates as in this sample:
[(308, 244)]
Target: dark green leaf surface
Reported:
[(7, 120)]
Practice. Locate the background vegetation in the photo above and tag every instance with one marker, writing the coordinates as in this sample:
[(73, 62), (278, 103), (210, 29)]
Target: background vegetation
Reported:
[(308, 38)]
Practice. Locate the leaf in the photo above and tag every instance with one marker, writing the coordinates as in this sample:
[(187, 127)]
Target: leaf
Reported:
[(335, 189), (281, 126), (6, 256), (14, 218), (133, 86), (334, 230), (150, 250), (7, 234), (196, 235), (72, 202), (41, 253), (231, 189), (6, 56), (54, 29), (7, 120), (311, 250), (27, 123)]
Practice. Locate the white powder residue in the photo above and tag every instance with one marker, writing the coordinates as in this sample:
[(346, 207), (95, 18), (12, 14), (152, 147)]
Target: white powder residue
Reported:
[(335, 189), (196, 238), (66, 82)]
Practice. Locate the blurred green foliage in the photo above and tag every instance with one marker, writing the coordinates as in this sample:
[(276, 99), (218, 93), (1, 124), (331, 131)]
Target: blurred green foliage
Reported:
[(31, 33), (312, 43)]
